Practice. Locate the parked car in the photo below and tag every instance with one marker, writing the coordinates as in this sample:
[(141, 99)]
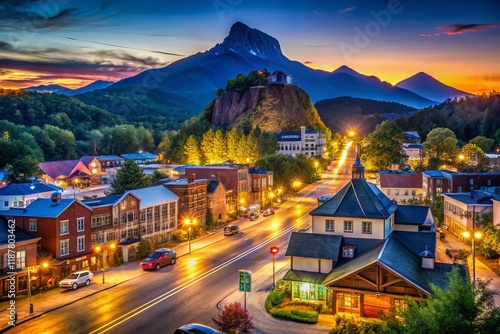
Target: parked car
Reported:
[(268, 212), (440, 233), (159, 258), (196, 329), (231, 229), (451, 252), (253, 215), (76, 279)]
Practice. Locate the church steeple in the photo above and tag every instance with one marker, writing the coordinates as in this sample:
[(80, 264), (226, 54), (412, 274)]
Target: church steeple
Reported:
[(358, 169)]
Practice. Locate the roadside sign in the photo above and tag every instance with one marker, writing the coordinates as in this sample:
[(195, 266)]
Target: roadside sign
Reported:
[(245, 280)]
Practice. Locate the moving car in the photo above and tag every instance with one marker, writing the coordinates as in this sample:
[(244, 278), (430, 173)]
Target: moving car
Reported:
[(74, 280), (231, 229), (451, 252), (268, 212), (196, 328), (159, 258)]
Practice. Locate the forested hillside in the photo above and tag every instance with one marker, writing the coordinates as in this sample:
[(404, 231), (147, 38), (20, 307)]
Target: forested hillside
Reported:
[(467, 117)]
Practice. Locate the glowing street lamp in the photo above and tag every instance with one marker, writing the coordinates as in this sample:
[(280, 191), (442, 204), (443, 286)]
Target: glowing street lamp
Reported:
[(476, 234), (189, 222), (36, 267)]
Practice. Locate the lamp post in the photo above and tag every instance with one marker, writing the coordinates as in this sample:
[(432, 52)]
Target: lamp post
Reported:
[(274, 250), (475, 235), (29, 283), (99, 251), (189, 222)]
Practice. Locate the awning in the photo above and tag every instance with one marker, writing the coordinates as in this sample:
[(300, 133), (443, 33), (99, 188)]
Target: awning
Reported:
[(304, 276)]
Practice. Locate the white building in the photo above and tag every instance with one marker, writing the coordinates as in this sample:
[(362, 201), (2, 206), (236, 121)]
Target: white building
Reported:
[(22, 194), (308, 142)]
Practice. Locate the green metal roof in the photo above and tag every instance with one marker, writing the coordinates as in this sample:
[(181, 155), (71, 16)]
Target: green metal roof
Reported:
[(304, 276)]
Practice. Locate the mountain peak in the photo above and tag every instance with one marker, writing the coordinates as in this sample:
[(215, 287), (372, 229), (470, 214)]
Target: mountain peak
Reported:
[(243, 39), (429, 87)]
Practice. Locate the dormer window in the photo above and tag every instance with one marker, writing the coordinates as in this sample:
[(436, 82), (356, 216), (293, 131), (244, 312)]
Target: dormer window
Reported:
[(348, 251)]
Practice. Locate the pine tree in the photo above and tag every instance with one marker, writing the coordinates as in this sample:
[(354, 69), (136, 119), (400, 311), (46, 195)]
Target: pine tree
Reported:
[(129, 177), (192, 151), (233, 142), (220, 147), (207, 146)]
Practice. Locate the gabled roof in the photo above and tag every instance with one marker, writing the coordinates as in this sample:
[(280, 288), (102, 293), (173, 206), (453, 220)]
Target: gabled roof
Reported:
[(399, 179), (153, 196), (416, 242), (411, 214), (87, 159), (43, 208), (401, 262), (65, 168), (313, 245), (212, 186), (357, 199), (28, 189), (103, 201), (19, 233), (101, 158)]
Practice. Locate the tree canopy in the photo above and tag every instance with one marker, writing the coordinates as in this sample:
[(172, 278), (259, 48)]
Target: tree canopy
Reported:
[(129, 177), (384, 146)]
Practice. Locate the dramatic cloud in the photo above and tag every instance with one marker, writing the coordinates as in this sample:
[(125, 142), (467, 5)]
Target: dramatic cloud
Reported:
[(307, 62), (460, 29), (345, 10)]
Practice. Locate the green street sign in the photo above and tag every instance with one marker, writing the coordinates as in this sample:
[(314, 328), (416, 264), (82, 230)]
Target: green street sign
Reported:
[(245, 281)]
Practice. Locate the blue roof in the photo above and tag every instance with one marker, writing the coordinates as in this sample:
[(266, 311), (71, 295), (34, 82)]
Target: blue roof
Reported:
[(19, 233), (357, 199), (474, 197), (105, 200), (140, 156), (313, 245), (43, 208), (211, 186), (28, 188), (411, 214)]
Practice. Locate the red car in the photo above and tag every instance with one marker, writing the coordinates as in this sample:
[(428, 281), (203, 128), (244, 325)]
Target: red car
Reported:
[(159, 258)]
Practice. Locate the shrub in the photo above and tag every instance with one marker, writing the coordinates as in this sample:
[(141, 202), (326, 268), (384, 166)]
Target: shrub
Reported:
[(144, 249), (234, 319), (347, 325), (307, 317), (276, 297)]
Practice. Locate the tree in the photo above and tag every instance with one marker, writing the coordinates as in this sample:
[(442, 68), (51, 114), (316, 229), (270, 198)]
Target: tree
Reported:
[(22, 169), (129, 177), (209, 218), (192, 151), (220, 147), (207, 146), (472, 159), (385, 146), (233, 141), (485, 144), (268, 144), (441, 144), (163, 147), (490, 244), (462, 307), (95, 138), (145, 139), (234, 319), (144, 248), (124, 139)]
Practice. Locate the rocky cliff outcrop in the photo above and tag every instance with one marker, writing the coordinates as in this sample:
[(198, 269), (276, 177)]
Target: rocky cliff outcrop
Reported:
[(273, 108)]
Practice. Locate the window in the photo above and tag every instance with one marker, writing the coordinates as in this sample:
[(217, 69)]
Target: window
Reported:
[(64, 247), (367, 227), (32, 224), (80, 243), (388, 192), (396, 192), (80, 224), (414, 192), (348, 251), (20, 259), (459, 189), (348, 226), (349, 301), (400, 304), (407, 192), (330, 225), (6, 203), (64, 227)]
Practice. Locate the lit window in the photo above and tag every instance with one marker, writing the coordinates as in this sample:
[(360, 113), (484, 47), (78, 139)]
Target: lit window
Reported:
[(20, 259)]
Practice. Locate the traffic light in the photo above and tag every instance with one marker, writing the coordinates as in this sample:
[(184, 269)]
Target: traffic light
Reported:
[(274, 250)]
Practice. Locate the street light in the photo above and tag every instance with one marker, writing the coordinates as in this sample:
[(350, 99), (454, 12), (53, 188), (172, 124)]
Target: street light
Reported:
[(274, 250), (474, 235), (44, 265), (112, 246), (188, 222)]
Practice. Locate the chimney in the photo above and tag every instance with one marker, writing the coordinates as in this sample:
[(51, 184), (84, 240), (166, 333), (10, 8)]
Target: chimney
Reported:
[(427, 259), (191, 178), (56, 198)]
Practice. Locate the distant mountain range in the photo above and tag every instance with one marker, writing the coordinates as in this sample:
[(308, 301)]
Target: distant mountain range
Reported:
[(197, 77), (58, 89), (430, 88)]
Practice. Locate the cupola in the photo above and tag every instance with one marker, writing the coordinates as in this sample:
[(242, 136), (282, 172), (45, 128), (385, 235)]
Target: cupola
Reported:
[(358, 169), (427, 259)]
